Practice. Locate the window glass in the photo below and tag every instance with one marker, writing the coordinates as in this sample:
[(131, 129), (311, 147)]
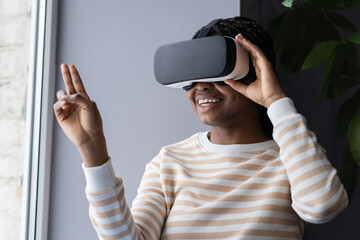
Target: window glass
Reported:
[(15, 21)]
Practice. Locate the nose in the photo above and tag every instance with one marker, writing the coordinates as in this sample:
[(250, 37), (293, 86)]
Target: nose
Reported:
[(204, 86)]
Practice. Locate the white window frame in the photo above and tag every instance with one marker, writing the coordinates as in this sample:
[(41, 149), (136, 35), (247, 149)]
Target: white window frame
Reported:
[(39, 120)]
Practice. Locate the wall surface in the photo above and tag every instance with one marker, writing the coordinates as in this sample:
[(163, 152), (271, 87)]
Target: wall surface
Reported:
[(14, 57), (112, 43), (302, 88)]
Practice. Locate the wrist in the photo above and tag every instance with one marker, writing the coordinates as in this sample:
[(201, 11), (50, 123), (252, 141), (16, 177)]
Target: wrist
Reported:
[(281, 110), (270, 100), (94, 152)]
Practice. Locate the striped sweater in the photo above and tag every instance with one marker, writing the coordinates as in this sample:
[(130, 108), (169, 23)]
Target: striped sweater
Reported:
[(195, 189)]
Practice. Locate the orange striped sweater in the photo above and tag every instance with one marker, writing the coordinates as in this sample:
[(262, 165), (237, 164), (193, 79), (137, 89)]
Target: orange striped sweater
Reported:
[(195, 189)]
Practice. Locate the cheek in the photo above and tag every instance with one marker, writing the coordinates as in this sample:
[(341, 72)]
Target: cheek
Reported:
[(190, 95), (243, 100), (235, 101), (235, 96)]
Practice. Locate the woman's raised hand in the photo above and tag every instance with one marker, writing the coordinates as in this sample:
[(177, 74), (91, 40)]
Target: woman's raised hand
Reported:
[(265, 89), (80, 119)]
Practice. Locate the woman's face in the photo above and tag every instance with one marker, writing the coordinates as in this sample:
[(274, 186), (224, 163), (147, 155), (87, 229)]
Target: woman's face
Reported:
[(220, 105)]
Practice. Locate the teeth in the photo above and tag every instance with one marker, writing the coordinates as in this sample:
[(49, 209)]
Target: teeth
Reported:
[(210, 100)]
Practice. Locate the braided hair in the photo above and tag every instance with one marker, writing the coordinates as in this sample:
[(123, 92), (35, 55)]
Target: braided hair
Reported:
[(250, 29), (253, 32)]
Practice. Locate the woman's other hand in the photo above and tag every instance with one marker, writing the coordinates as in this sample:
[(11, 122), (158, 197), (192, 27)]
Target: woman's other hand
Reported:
[(265, 89), (80, 119)]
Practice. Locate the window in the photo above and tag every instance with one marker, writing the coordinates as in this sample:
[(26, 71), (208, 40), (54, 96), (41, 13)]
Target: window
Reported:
[(26, 42), (15, 21)]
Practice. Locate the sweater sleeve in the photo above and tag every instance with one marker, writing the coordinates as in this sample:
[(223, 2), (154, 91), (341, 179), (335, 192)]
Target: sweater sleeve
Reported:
[(317, 193), (109, 212)]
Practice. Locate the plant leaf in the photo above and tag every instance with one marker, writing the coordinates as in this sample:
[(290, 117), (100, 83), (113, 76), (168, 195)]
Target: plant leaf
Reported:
[(351, 64), (302, 53), (320, 54), (341, 21), (292, 43), (354, 137), (275, 24), (351, 70), (335, 4), (329, 4), (355, 38), (350, 53), (295, 41), (288, 3), (346, 112), (293, 47), (331, 71), (348, 172), (336, 73), (350, 3), (344, 85), (319, 27), (281, 33)]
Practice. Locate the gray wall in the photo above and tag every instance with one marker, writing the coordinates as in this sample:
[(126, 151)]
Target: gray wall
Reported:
[(302, 88), (112, 43)]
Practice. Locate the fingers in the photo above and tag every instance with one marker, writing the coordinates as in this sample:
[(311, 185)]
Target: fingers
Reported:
[(77, 82), (65, 101), (67, 79), (255, 52), (76, 99), (66, 104), (237, 86), (59, 94), (72, 80), (259, 60), (58, 107)]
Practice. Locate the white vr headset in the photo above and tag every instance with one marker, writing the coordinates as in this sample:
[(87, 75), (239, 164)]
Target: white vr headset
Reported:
[(204, 59)]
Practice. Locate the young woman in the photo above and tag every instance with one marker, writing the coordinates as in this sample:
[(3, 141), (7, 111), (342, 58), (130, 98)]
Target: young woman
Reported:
[(233, 182)]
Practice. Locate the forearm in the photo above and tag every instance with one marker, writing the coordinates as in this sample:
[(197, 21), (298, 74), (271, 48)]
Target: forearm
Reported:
[(317, 193), (109, 211)]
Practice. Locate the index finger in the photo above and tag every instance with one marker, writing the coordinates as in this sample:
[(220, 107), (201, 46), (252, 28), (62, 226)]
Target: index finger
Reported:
[(77, 82), (67, 79), (255, 52)]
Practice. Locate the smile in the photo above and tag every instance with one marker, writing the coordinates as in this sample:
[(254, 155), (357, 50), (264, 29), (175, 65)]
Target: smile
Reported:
[(208, 101)]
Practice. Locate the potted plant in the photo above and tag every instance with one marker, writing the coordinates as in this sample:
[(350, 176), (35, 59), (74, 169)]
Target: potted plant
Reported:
[(314, 33)]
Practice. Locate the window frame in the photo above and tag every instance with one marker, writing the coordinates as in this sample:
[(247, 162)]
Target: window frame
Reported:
[(39, 120)]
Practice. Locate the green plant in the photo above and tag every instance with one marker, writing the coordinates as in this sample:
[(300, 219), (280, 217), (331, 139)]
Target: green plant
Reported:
[(307, 36)]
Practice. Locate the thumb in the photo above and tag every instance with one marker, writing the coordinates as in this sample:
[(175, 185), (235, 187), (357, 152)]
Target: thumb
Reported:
[(237, 86), (77, 99)]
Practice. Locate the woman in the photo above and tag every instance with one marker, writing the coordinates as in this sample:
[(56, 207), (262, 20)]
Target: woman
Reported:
[(233, 182)]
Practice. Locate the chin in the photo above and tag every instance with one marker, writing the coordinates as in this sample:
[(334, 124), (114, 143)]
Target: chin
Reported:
[(205, 121), (209, 122)]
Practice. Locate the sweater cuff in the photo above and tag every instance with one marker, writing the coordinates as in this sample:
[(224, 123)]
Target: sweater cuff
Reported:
[(280, 110), (100, 178)]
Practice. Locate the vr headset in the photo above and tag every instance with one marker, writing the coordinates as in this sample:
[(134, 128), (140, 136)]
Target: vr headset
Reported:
[(204, 59)]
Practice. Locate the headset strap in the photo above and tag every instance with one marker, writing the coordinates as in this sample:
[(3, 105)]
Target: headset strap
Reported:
[(204, 31)]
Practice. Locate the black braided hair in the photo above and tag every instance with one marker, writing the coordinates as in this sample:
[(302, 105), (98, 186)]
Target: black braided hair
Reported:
[(250, 29), (253, 32)]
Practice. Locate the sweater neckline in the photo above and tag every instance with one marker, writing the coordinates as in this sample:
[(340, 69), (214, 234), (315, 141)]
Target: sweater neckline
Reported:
[(211, 147)]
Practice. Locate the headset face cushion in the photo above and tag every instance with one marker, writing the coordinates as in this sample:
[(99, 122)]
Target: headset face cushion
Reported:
[(209, 58)]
